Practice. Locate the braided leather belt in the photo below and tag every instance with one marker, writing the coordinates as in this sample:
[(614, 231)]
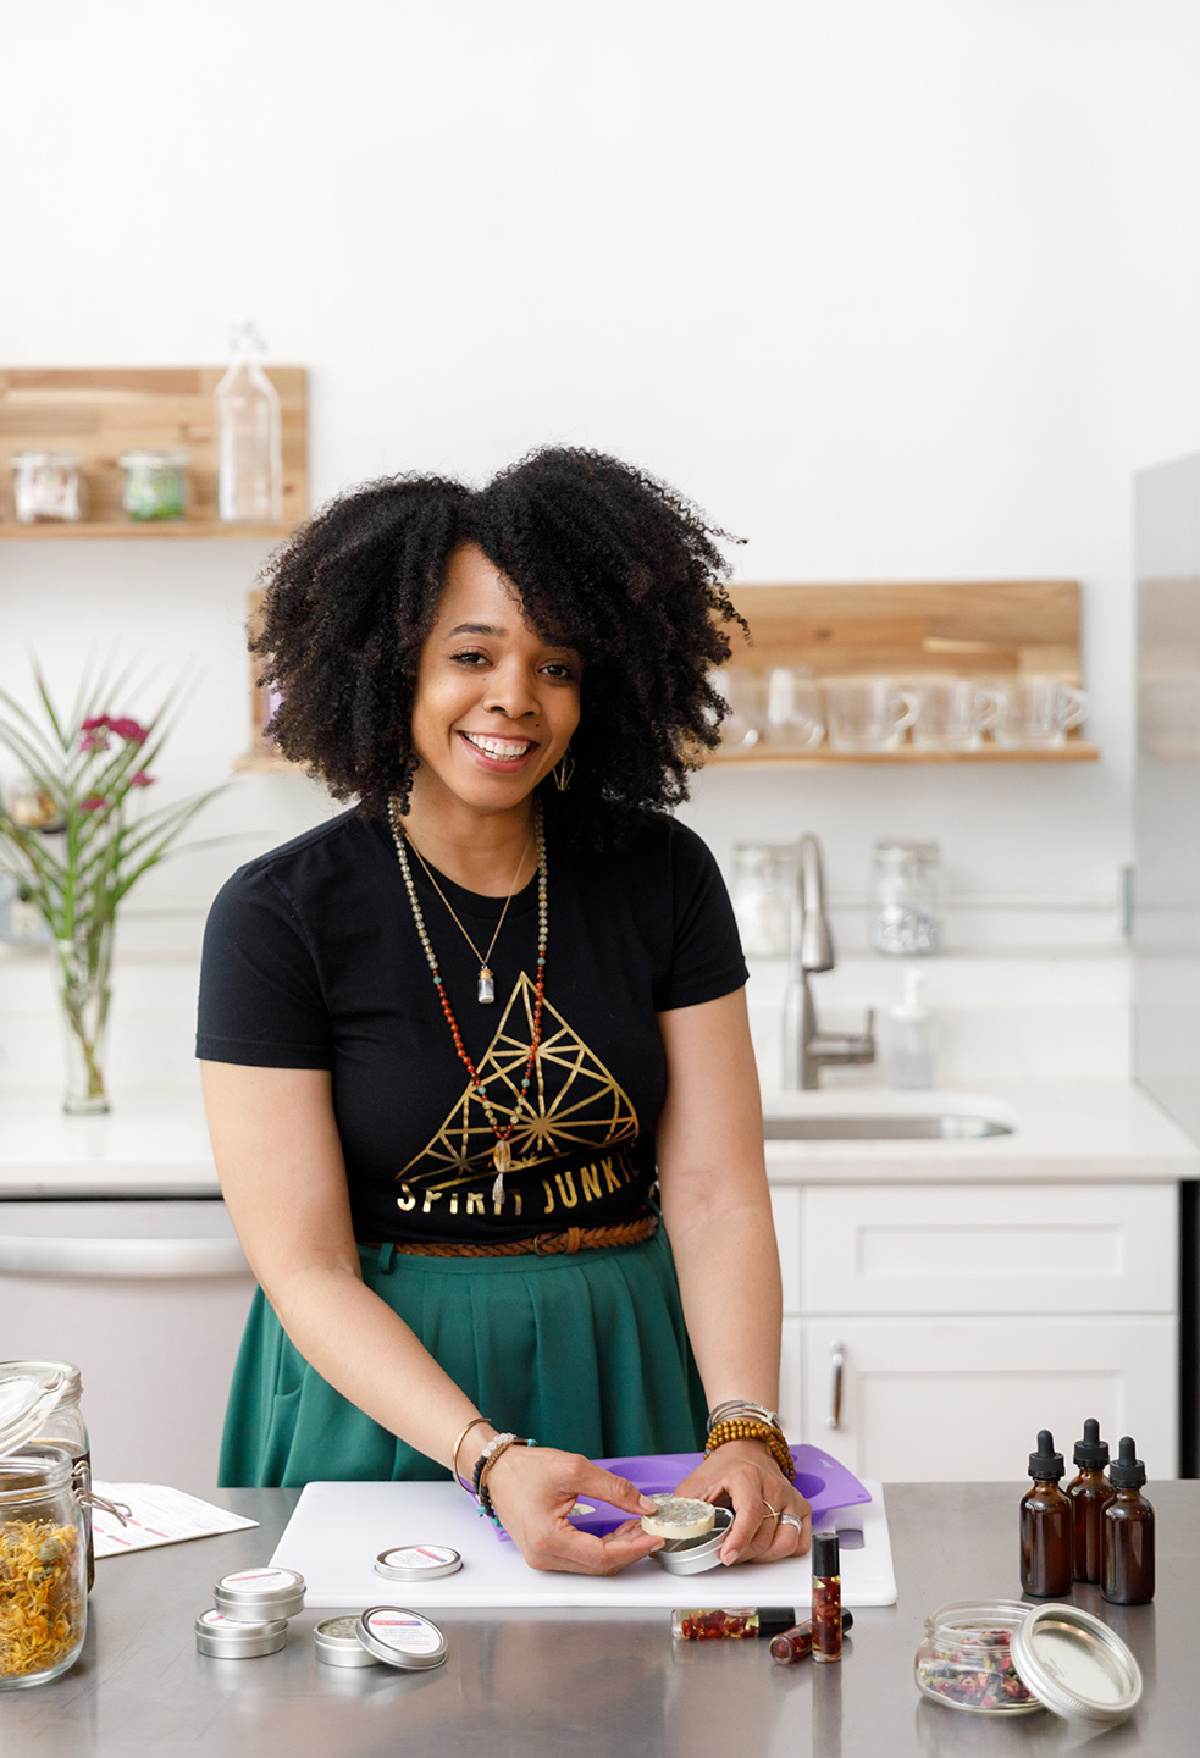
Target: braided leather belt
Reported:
[(541, 1244)]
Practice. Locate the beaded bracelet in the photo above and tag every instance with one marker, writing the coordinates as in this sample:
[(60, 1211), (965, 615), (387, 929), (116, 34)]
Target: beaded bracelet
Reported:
[(498, 1445), (740, 1428)]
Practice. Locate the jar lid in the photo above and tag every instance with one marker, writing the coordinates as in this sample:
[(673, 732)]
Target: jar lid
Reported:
[(418, 1562), (270, 1588), (29, 1391), (225, 1638), (337, 1644), (64, 460), (153, 458), (899, 848), (1076, 1665), (401, 1638)]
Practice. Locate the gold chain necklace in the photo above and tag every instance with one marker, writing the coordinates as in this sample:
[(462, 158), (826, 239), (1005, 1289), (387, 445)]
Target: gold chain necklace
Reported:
[(487, 986)]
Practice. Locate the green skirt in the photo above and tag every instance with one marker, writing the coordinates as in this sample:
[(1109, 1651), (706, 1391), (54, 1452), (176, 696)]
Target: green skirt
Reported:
[(586, 1352)]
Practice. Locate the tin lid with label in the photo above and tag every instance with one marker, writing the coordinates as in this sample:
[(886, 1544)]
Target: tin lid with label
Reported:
[(260, 1593), (401, 1638), (337, 1644), (417, 1562), (29, 1391), (225, 1638), (1076, 1665)]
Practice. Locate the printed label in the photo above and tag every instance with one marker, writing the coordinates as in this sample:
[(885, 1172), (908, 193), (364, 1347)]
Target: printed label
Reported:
[(268, 1577), (421, 1556), (405, 1632)]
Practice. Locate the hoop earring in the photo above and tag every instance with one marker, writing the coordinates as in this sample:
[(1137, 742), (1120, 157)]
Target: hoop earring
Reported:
[(563, 770)]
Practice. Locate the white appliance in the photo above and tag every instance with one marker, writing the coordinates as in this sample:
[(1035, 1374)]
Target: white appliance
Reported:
[(148, 1297)]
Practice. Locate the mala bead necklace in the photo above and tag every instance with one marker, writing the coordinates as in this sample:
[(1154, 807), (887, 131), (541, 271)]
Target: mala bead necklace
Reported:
[(502, 1152)]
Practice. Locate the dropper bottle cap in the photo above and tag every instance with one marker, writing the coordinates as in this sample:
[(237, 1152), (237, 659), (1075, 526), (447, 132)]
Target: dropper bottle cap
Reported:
[(1127, 1470), (1045, 1466), (1091, 1452)]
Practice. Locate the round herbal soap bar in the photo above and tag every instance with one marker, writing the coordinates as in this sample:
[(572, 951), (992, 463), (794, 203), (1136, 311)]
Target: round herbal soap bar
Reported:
[(679, 1517)]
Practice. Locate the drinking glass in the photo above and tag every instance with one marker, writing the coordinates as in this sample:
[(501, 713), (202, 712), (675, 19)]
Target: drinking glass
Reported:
[(742, 693), (792, 720), (955, 713), (868, 714), (1038, 712)]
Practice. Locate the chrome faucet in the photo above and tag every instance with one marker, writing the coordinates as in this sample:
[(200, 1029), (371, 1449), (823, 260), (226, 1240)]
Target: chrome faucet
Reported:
[(806, 1048)]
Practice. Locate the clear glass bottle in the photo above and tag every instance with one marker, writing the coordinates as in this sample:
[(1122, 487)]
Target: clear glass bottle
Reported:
[(43, 1614), (249, 435), (906, 907)]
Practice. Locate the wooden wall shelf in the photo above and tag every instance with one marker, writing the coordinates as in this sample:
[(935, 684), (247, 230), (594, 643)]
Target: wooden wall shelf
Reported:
[(984, 629), (104, 411)]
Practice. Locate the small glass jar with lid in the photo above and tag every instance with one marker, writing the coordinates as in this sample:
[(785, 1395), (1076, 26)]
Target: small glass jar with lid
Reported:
[(763, 895), (63, 1426), (156, 484), (965, 1659), (48, 487), (906, 906), (43, 1605)]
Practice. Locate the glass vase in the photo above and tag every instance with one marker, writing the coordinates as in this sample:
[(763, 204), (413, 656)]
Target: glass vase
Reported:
[(85, 992)]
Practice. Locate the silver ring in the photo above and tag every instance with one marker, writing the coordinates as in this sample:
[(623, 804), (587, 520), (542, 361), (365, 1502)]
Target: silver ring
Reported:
[(791, 1520)]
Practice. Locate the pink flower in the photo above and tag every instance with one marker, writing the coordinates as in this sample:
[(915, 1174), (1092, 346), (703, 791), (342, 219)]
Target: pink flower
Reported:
[(93, 741), (141, 779), (97, 720), (92, 803), (132, 730)]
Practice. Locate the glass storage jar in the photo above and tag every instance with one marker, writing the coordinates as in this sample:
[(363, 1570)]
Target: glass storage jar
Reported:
[(965, 1659), (156, 484), (906, 909), (64, 1427), (48, 488), (43, 1597), (763, 895)]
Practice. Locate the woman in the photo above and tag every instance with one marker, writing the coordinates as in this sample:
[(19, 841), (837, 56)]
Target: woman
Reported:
[(453, 1039)]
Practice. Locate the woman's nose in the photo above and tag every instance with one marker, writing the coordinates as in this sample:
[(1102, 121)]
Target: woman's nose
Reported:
[(511, 692)]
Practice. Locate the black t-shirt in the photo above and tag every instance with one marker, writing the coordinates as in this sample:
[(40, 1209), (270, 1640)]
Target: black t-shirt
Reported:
[(312, 960)]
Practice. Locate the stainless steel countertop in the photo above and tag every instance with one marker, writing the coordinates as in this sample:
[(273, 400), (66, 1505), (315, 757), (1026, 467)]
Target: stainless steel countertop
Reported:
[(540, 1687)]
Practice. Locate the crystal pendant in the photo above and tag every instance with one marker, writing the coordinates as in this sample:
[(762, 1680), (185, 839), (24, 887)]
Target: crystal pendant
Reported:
[(502, 1157), (487, 990)]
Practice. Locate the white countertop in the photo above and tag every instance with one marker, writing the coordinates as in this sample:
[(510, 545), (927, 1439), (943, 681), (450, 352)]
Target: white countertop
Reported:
[(1110, 1130)]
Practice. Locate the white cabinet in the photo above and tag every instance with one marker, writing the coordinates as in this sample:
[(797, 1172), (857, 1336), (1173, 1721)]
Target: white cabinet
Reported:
[(944, 1325)]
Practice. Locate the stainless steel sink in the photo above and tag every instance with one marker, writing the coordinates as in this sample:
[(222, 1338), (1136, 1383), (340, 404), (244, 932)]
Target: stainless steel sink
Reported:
[(935, 1126)]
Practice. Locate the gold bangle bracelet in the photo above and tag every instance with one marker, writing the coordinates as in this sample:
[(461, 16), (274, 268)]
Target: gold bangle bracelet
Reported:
[(475, 1422)]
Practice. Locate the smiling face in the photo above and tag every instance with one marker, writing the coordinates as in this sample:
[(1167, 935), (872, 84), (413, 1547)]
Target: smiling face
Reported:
[(496, 702)]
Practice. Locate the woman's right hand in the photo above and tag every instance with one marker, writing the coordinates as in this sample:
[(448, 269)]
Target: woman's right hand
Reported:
[(534, 1489)]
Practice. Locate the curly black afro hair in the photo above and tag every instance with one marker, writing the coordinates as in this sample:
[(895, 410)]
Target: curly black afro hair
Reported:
[(603, 558)]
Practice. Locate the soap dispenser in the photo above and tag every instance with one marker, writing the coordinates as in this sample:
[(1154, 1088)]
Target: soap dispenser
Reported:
[(912, 1035)]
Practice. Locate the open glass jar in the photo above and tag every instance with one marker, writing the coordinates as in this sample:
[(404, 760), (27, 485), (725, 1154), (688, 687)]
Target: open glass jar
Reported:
[(965, 1659), (43, 1588)]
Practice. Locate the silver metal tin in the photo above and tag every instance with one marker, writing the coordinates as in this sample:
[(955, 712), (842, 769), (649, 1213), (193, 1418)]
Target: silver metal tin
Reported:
[(258, 1595), (226, 1638), (401, 1638), (692, 1556), (337, 1644), (417, 1562), (1076, 1665)]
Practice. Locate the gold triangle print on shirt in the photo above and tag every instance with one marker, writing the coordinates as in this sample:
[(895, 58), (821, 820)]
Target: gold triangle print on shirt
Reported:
[(573, 1103)]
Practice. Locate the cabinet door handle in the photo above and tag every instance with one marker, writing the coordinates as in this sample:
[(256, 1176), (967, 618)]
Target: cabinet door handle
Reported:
[(111, 1258), (837, 1361)]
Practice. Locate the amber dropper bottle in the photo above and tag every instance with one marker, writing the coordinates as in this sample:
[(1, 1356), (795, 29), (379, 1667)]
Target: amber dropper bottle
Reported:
[(1089, 1493), (1047, 1526), (1128, 1532)]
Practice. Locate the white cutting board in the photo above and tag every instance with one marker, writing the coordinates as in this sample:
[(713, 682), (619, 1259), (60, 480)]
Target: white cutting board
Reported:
[(338, 1529)]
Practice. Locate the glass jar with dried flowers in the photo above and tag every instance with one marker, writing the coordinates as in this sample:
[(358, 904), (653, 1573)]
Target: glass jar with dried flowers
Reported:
[(92, 844)]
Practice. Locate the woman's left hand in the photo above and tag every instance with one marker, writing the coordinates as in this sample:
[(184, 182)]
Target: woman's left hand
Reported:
[(744, 1474)]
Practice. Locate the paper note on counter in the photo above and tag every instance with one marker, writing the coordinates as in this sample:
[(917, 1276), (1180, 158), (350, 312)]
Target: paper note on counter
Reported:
[(157, 1515)]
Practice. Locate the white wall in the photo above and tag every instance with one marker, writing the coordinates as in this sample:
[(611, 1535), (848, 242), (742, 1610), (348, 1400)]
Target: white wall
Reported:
[(894, 288)]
